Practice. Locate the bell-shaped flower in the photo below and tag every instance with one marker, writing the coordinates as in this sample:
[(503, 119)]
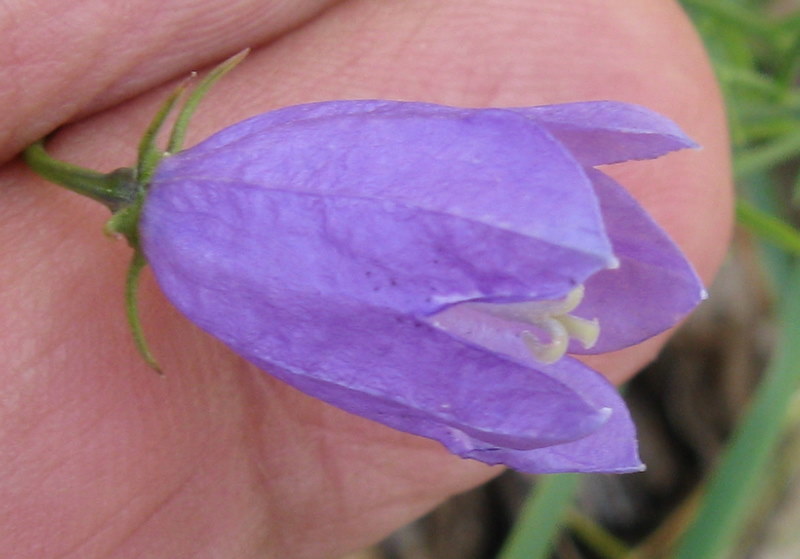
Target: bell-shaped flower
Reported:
[(430, 267)]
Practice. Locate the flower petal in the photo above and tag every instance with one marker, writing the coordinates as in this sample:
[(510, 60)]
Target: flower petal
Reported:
[(604, 132), (492, 166), (611, 449), (654, 286), (351, 248), (401, 372), (372, 361), (379, 252)]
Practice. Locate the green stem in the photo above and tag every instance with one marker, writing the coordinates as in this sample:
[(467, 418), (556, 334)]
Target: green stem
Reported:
[(124, 190), (116, 189)]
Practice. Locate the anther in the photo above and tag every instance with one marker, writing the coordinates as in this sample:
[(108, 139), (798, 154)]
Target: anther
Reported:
[(555, 348), (555, 327), (584, 330)]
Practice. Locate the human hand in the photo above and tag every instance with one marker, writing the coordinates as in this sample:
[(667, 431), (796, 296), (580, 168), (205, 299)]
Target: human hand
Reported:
[(101, 458)]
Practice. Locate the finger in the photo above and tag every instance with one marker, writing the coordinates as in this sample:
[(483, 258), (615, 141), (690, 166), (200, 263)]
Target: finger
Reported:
[(59, 61), (454, 52)]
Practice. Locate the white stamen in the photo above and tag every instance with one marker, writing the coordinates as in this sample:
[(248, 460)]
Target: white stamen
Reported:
[(573, 299), (556, 327), (535, 311), (551, 351), (584, 330)]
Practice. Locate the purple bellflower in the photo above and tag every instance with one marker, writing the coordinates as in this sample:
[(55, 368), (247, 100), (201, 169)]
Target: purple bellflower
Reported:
[(430, 267)]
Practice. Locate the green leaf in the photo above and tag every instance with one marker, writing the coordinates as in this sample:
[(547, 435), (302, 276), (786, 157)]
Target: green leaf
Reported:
[(178, 134)]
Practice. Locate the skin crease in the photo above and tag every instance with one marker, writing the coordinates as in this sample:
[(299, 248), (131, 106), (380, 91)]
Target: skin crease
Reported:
[(101, 458)]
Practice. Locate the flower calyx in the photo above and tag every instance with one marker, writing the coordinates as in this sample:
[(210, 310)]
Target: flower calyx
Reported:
[(124, 190)]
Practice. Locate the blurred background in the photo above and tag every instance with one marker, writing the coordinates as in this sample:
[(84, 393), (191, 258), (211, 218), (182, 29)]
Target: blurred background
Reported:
[(719, 412)]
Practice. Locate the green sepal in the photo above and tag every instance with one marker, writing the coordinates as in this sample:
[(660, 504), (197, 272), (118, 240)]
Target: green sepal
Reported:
[(175, 143), (138, 262), (149, 153), (124, 190)]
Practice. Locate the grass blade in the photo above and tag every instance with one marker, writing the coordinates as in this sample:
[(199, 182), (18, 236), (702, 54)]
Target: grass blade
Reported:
[(768, 227), (541, 518), (725, 506)]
